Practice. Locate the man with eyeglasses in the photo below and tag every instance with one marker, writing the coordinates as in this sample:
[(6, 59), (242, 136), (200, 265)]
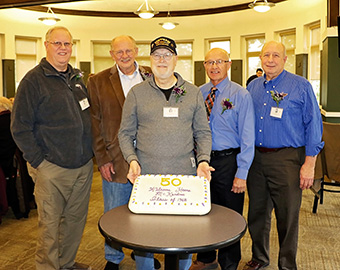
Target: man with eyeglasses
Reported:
[(162, 118), (51, 125), (108, 90), (231, 118)]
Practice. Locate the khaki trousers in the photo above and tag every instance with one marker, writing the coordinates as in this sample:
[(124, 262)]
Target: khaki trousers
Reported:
[(62, 197)]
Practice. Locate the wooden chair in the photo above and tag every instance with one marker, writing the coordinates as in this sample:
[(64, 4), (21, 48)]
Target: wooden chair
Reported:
[(327, 169)]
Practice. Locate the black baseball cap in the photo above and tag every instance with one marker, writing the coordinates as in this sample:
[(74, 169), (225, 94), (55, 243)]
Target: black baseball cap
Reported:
[(165, 43)]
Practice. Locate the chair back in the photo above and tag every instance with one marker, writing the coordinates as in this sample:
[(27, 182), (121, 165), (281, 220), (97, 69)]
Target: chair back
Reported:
[(330, 154)]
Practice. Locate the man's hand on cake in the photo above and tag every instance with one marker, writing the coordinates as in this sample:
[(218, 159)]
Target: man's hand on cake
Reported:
[(134, 171), (106, 170), (204, 170), (239, 185)]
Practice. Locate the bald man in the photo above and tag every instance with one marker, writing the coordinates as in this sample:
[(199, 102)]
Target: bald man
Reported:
[(288, 130), (231, 121)]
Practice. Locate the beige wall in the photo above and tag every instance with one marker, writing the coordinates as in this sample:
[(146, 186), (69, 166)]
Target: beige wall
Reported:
[(236, 25)]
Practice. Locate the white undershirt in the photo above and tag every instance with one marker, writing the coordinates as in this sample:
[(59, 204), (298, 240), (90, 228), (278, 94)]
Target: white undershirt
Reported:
[(128, 81)]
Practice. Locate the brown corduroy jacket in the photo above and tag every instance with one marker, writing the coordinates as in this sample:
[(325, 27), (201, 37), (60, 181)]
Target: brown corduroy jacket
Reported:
[(107, 99)]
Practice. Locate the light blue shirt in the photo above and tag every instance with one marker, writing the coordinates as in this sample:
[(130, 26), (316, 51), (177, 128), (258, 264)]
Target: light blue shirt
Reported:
[(234, 128), (300, 124)]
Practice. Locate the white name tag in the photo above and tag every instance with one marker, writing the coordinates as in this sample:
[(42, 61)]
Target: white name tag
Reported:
[(84, 104), (193, 162), (170, 112), (276, 112)]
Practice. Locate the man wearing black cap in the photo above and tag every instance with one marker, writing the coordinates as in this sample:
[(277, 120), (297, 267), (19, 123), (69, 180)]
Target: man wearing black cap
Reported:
[(162, 118)]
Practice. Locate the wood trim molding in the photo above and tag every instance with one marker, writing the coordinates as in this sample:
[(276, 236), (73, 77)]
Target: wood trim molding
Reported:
[(174, 13), (330, 114), (23, 3)]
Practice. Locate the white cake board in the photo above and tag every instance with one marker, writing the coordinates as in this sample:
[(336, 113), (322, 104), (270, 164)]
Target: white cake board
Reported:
[(170, 194)]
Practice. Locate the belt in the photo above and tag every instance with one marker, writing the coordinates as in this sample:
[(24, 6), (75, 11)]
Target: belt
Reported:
[(223, 153), (268, 150)]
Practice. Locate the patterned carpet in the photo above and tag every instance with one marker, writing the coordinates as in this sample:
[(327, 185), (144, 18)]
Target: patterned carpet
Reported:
[(319, 243)]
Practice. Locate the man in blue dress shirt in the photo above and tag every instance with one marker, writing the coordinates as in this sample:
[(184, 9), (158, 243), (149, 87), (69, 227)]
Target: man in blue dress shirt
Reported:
[(231, 121), (288, 129)]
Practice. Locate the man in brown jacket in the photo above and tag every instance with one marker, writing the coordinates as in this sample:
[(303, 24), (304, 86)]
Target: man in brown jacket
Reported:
[(108, 90)]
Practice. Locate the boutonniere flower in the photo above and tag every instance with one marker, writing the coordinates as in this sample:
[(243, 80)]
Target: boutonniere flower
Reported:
[(277, 97), (179, 91), (226, 105), (146, 75), (80, 75)]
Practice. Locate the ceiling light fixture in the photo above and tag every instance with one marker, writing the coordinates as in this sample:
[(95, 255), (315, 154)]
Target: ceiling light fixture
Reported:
[(145, 11), (168, 25), (50, 19), (262, 6)]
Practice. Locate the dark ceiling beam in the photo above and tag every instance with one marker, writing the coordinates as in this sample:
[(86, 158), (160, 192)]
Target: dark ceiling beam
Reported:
[(26, 3), (118, 14)]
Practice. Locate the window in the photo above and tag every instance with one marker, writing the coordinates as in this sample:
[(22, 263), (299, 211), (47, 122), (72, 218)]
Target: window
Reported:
[(314, 59), (253, 50), (220, 43), (101, 56), (26, 56), (143, 57), (184, 64), (288, 39), (73, 59)]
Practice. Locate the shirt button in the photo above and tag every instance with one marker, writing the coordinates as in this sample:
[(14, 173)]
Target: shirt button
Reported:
[(273, 86), (264, 104), (260, 130), (260, 143), (261, 117), (267, 92)]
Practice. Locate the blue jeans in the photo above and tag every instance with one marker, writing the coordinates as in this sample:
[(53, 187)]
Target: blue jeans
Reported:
[(115, 194), (144, 261)]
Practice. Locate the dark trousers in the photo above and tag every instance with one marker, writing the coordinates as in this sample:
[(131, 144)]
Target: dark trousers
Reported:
[(221, 194), (273, 183)]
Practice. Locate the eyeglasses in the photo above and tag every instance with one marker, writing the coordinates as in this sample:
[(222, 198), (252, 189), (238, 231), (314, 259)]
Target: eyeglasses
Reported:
[(59, 44), (217, 62), (121, 53), (166, 56)]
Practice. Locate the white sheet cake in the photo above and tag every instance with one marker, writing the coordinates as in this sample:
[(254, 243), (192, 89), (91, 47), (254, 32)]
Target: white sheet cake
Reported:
[(170, 194)]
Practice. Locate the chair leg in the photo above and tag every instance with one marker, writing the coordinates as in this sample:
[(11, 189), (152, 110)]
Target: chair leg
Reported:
[(315, 204), (321, 192)]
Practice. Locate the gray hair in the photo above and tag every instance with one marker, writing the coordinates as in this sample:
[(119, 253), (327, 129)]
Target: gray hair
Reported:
[(50, 31), (124, 36), (277, 43)]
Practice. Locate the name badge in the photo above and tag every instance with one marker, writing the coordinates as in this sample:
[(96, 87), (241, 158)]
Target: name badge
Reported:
[(170, 112), (276, 112), (84, 104), (193, 162)]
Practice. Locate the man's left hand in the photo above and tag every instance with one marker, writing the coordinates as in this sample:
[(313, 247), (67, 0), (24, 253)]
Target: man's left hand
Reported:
[(204, 170), (239, 185), (307, 173)]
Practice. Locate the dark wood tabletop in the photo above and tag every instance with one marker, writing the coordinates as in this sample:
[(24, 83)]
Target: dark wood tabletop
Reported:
[(172, 234)]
